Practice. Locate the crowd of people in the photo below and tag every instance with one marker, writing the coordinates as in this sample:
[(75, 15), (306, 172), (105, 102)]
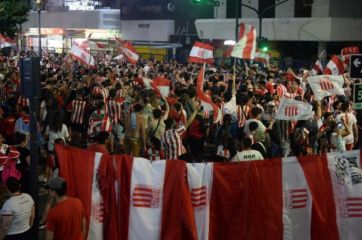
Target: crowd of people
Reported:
[(110, 109)]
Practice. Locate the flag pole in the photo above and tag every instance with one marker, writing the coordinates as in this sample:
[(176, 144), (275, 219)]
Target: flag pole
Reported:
[(234, 78)]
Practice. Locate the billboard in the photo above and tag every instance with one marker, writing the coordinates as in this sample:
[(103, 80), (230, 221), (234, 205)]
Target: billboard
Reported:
[(147, 9)]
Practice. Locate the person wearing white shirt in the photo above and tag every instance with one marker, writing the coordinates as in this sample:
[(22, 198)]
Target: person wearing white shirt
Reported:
[(247, 154), (256, 113), (349, 119)]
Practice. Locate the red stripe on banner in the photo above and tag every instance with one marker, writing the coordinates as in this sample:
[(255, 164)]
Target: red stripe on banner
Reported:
[(354, 215), (198, 189), (323, 225), (354, 204), (142, 205), (299, 195), (171, 226), (203, 45), (142, 194), (197, 199), (199, 204), (249, 44), (248, 192), (299, 201), (354, 199), (142, 189), (198, 195), (355, 210), (298, 190), (241, 30), (299, 206), (124, 171)]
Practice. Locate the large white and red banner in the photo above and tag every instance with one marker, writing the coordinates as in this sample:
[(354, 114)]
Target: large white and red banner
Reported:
[(206, 101), (202, 53), (309, 197), (326, 85), (246, 46), (335, 66), (291, 109)]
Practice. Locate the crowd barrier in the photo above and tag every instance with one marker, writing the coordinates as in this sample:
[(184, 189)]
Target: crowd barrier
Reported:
[(309, 197)]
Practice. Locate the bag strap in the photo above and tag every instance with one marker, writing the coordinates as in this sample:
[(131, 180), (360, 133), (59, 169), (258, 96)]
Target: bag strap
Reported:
[(154, 131)]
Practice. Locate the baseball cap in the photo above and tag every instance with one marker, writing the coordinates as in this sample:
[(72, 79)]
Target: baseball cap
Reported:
[(56, 183)]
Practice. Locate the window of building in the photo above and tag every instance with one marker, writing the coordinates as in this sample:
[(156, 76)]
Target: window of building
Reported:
[(303, 8)]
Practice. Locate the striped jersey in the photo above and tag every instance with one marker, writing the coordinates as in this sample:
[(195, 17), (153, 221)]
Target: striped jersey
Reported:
[(171, 142), (115, 110), (78, 109), (99, 121)]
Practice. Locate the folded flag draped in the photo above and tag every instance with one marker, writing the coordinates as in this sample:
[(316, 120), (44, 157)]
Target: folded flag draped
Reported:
[(308, 197), (326, 85), (202, 53), (291, 109)]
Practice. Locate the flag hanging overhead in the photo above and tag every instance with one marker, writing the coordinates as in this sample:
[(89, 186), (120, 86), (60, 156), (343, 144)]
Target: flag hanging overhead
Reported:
[(161, 86), (202, 53), (290, 109), (317, 68), (206, 102), (334, 67), (246, 46), (326, 85)]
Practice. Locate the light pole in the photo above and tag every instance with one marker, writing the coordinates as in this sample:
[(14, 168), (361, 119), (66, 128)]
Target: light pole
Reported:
[(38, 4), (259, 13)]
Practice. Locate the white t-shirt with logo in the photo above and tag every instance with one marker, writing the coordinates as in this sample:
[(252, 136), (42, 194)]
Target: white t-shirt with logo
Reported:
[(247, 155), (19, 207)]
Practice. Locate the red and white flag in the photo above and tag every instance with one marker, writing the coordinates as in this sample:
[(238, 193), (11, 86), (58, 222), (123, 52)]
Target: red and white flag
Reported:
[(6, 42), (79, 168), (290, 109), (202, 53), (206, 101), (317, 68), (326, 85), (82, 55), (246, 46), (153, 199), (161, 86), (261, 57), (128, 50), (334, 67)]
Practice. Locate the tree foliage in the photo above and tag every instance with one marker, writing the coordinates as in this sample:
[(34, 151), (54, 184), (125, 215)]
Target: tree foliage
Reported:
[(12, 14)]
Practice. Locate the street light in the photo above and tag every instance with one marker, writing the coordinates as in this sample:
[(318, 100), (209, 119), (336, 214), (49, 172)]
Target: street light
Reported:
[(38, 4)]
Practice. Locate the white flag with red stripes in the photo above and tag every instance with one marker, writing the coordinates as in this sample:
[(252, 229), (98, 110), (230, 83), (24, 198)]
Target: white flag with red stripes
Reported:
[(161, 86), (291, 109), (326, 85), (128, 50), (317, 68), (202, 53), (335, 66), (82, 55), (6, 42), (262, 57), (206, 101), (246, 46)]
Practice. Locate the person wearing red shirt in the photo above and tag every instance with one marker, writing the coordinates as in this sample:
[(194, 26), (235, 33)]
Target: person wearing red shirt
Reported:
[(66, 220), (196, 137)]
